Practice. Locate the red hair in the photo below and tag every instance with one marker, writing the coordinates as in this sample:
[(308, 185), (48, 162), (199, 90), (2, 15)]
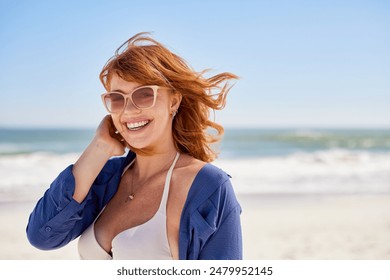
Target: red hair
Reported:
[(146, 61)]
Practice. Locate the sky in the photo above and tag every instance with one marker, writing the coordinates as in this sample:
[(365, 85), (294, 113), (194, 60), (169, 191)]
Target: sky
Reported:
[(302, 64)]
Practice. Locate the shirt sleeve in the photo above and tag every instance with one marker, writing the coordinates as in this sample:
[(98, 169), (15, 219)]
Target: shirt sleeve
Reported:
[(58, 219), (226, 242), (210, 226)]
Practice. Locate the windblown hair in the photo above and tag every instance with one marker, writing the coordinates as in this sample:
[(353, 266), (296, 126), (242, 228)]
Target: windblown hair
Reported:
[(143, 60)]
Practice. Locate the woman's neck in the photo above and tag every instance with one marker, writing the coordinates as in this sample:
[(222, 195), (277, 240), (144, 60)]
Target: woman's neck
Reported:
[(151, 163)]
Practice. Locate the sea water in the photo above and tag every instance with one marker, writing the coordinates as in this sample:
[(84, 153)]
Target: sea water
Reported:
[(260, 161)]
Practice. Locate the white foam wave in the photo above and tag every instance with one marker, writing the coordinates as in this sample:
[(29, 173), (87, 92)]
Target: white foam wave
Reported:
[(330, 171), (26, 177)]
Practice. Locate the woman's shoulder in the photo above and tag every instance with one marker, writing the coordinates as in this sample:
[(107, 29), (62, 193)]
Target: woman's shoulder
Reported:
[(210, 199), (213, 174), (212, 184), (202, 171)]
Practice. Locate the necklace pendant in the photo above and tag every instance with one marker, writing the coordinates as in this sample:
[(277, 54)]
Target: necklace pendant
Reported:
[(129, 198)]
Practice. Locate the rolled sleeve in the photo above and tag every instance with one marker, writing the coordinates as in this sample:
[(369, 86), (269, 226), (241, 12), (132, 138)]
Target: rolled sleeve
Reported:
[(57, 218), (55, 213)]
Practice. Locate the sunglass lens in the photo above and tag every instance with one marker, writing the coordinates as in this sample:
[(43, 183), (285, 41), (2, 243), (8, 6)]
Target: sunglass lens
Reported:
[(114, 102), (143, 97)]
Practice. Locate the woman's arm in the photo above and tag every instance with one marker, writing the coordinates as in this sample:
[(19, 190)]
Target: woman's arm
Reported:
[(57, 218), (77, 195), (226, 242), (104, 145), (210, 227)]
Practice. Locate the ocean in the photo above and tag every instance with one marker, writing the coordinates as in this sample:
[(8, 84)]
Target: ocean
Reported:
[(260, 161)]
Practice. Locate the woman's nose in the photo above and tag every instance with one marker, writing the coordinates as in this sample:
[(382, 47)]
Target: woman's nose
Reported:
[(130, 107)]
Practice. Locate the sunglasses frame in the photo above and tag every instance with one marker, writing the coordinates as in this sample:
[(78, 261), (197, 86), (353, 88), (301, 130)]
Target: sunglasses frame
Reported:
[(128, 96)]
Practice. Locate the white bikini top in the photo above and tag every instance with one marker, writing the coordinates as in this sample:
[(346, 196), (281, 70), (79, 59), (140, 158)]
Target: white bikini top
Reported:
[(147, 241)]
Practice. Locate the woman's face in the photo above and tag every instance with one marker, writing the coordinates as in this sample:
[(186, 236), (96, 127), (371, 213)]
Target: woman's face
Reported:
[(148, 128)]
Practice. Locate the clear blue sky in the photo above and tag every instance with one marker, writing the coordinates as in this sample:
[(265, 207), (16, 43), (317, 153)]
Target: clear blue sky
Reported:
[(302, 63)]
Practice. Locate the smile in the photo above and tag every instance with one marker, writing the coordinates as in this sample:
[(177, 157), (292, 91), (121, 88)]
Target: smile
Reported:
[(137, 125)]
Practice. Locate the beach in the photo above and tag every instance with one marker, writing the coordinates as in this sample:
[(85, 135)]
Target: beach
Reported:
[(305, 194), (275, 227), (315, 227)]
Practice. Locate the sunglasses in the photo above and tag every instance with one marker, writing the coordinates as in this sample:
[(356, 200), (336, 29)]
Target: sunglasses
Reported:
[(142, 98)]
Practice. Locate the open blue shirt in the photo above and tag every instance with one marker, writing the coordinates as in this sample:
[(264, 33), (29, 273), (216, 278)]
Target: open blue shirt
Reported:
[(210, 225)]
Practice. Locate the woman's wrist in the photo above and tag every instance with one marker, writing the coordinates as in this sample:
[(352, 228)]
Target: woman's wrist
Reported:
[(89, 165), (101, 148)]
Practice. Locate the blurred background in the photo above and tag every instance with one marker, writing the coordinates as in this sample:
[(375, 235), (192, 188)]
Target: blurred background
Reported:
[(307, 125)]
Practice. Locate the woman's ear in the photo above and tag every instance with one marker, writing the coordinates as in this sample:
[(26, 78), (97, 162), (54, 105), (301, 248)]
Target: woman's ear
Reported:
[(175, 101)]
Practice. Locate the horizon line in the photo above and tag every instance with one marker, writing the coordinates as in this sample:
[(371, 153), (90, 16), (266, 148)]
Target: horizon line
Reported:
[(226, 127)]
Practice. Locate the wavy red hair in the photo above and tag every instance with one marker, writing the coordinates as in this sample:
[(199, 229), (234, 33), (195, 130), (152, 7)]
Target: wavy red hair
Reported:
[(146, 61)]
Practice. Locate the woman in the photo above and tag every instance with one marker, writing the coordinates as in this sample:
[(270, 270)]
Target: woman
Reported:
[(163, 200)]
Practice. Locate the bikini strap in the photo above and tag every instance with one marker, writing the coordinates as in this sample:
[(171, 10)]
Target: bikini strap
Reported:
[(164, 198)]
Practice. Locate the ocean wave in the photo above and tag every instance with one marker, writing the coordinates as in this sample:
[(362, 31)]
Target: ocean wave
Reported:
[(277, 142), (26, 176), (336, 171)]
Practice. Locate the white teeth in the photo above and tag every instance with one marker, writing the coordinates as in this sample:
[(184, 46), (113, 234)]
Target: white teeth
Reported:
[(136, 125)]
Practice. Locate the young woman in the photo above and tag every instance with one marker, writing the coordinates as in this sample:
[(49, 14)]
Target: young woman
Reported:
[(163, 199)]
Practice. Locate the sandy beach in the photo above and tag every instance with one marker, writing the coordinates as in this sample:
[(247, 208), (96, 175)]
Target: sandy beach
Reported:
[(353, 227), (275, 227)]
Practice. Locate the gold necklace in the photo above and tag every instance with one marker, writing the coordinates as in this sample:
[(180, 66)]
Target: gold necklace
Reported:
[(132, 194)]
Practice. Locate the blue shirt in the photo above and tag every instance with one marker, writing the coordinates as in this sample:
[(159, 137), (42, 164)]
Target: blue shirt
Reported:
[(210, 226)]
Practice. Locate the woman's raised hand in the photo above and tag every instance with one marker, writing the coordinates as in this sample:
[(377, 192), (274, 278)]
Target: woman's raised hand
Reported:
[(109, 138), (105, 144)]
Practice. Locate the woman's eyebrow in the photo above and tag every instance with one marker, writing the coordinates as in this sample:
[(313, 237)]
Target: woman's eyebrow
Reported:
[(126, 92), (119, 90)]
